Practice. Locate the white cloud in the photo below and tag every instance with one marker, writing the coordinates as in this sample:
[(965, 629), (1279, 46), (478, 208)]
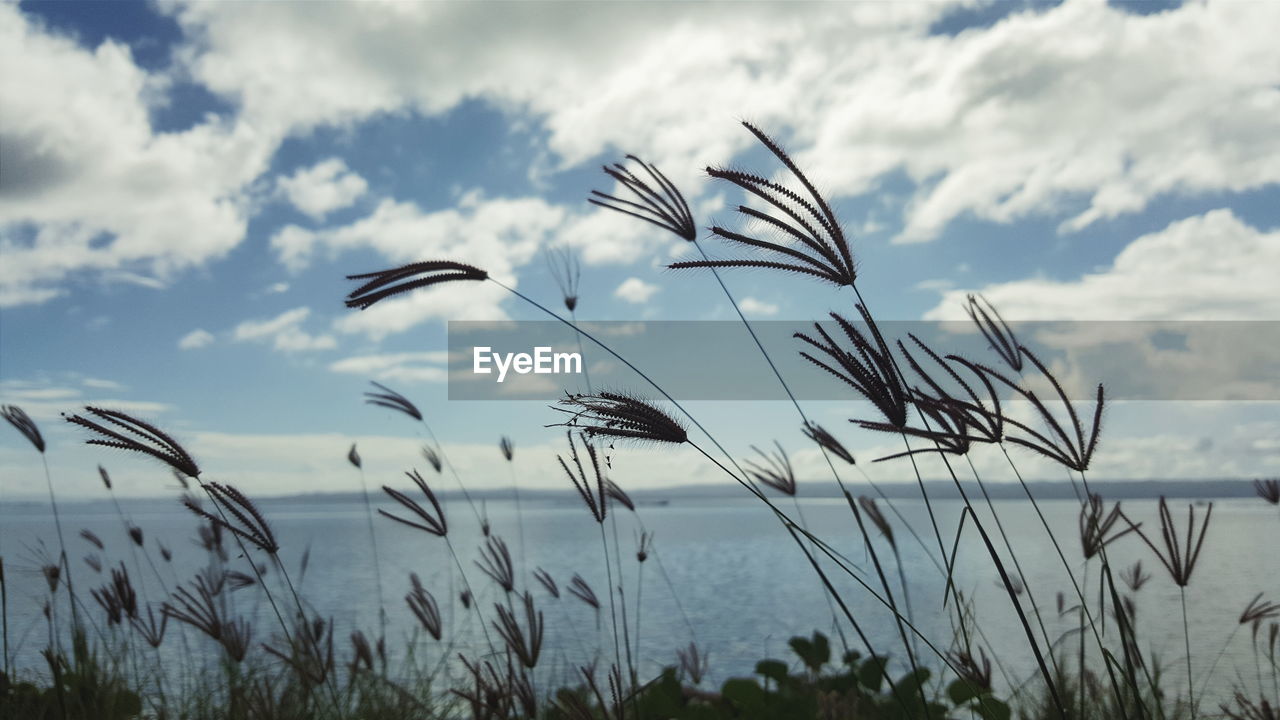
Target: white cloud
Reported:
[(411, 367), (1081, 102), (278, 288), (322, 188), (497, 235), (1027, 117), (44, 400), (634, 290), (284, 332), (1207, 267), (752, 306), (88, 186), (197, 338)]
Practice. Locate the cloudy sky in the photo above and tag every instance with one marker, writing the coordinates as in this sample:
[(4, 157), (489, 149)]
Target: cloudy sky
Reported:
[(184, 186)]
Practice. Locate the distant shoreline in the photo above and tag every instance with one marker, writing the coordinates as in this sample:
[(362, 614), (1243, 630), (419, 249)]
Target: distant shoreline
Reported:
[(938, 490)]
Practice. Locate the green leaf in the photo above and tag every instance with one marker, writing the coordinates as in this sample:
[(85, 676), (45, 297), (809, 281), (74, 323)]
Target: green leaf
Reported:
[(989, 708), (746, 694), (775, 670), (909, 686), (962, 691), (871, 673), (814, 653)]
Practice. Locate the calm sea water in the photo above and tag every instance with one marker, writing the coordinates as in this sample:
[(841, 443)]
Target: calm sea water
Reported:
[(723, 573)]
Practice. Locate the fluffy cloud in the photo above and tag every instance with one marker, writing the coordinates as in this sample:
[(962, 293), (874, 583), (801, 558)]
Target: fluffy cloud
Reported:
[(87, 185), (284, 332), (322, 188), (195, 339), (634, 290), (752, 306), (498, 235), (1042, 111), (1081, 112), (412, 367), (1208, 267)]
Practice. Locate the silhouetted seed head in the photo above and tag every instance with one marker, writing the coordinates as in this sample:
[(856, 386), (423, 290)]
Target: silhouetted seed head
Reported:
[(353, 457), (564, 266), (165, 553), (995, 330), (495, 561), (151, 628), (694, 663), (94, 563), (663, 206), (508, 449), (872, 511), (975, 671), (1268, 490), (92, 538), (237, 580), (465, 599), (548, 582), (52, 573), (776, 473), (1134, 577), (596, 499), (1178, 557), (485, 527), (432, 521), (198, 607), (135, 534), (967, 406), (867, 366), (618, 495), (106, 479), (309, 652), (1072, 450), (827, 441), (1257, 611), (18, 418), (644, 545), (525, 644), (237, 637), (1097, 526), (182, 479), (617, 415), (387, 283), (432, 457), (249, 524), (361, 653), (948, 433), (424, 607), (808, 237), (581, 590), (1246, 709), (117, 597), (389, 398), (130, 433)]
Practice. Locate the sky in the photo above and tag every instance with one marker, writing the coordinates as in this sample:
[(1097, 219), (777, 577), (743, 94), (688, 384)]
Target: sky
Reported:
[(184, 187)]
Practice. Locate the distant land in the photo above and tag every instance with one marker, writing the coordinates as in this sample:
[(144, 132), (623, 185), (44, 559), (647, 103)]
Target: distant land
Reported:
[(938, 490)]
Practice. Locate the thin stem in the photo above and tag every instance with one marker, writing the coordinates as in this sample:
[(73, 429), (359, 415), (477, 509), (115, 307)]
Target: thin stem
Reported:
[(1186, 638), (377, 564), (62, 544), (445, 459), (613, 612)]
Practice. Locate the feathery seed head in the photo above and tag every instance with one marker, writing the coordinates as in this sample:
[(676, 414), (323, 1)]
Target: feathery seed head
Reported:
[(387, 283)]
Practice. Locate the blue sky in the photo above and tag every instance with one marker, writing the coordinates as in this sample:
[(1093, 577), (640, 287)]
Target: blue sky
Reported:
[(184, 187)]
